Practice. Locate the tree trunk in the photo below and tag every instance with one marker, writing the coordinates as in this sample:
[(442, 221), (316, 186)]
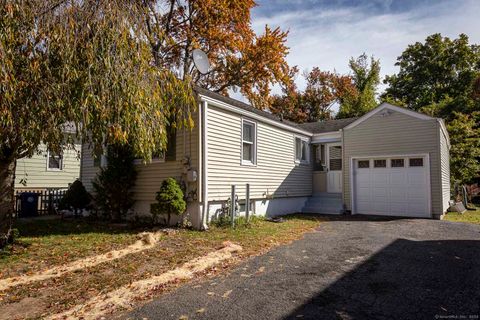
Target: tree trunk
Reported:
[(7, 198)]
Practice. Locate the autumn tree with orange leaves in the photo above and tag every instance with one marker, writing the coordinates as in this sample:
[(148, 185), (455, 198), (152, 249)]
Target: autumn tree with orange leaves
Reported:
[(239, 57), (323, 90)]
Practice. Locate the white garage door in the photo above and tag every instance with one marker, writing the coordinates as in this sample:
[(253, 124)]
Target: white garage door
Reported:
[(397, 186)]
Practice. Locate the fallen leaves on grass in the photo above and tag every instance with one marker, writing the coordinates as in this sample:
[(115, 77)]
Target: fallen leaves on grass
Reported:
[(146, 241), (125, 296)]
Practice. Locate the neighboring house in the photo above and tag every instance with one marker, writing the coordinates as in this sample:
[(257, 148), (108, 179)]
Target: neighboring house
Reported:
[(392, 161), (48, 170)]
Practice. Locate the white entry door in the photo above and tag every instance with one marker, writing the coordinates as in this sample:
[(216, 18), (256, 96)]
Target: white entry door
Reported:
[(392, 186), (334, 166)]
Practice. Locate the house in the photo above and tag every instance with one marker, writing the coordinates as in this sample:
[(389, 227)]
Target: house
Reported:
[(47, 170), (392, 161)]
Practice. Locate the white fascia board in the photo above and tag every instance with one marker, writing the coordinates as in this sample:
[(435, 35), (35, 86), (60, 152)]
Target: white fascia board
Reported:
[(327, 137), (384, 106), (251, 115)]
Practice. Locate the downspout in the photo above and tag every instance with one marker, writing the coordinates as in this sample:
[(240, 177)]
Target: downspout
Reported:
[(344, 161), (204, 111)]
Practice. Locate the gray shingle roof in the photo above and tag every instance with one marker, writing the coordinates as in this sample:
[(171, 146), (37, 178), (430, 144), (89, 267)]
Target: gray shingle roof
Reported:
[(313, 127), (326, 125)]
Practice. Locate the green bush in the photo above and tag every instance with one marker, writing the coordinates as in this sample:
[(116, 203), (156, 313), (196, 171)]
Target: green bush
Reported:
[(170, 200), (14, 235), (76, 197), (113, 185)]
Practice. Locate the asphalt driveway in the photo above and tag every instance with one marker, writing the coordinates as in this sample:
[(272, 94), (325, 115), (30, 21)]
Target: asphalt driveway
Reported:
[(349, 269)]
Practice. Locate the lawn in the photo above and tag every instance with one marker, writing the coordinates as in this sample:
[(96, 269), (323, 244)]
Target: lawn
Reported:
[(469, 216), (54, 242)]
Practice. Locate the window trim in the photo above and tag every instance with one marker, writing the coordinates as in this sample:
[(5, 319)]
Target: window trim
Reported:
[(153, 160), (380, 167), (307, 153), (254, 144), (363, 160), (62, 166), (416, 158), (403, 164)]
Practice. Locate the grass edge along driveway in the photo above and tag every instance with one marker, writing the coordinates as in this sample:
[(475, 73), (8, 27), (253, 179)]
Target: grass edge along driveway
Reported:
[(72, 239)]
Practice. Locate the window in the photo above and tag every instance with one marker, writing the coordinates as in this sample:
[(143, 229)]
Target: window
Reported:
[(416, 162), (54, 161), (379, 163), (301, 150), (335, 158), (363, 164), (397, 163), (249, 137)]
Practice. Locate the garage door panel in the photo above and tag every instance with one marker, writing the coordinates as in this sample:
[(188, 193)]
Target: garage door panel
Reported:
[(398, 179), (380, 179), (399, 191), (397, 208), (379, 192), (416, 179)]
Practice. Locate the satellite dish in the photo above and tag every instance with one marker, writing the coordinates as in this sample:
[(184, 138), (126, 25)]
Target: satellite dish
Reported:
[(201, 61)]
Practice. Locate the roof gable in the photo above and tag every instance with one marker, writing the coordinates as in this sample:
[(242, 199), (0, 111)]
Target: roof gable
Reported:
[(387, 106)]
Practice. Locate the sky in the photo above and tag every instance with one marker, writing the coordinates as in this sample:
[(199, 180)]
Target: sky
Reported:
[(326, 33)]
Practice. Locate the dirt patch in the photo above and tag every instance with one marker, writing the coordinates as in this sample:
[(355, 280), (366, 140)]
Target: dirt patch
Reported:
[(24, 309), (124, 297), (146, 241)]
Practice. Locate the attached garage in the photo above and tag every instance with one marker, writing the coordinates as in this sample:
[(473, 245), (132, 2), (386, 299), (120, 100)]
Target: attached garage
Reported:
[(392, 186), (396, 163)]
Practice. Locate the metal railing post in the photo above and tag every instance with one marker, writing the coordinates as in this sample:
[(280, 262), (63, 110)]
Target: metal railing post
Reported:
[(232, 206), (247, 202)]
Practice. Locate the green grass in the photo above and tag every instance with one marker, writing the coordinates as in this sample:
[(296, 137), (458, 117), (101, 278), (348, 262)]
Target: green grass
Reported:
[(54, 240), (469, 216), (44, 243)]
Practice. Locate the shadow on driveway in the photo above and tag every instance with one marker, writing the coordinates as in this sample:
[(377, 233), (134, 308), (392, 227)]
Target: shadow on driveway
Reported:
[(405, 280)]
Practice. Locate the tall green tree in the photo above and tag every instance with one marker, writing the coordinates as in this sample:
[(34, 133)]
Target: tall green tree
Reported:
[(434, 70), (84, 67), (464, 131), (366, 78), (441, 77)]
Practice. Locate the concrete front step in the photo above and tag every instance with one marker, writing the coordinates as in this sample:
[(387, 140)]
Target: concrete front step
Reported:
[(329, 203), (321, 210)]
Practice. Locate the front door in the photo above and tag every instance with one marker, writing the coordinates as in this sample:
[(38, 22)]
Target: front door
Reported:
[(334, 166)]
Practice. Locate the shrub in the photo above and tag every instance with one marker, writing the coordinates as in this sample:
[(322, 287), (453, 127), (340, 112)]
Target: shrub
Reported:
[(76, 197), (113, 185), (170, 200), (14, 235)]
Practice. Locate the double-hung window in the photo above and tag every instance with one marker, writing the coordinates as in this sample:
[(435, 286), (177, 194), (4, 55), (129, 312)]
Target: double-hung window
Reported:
[(249, 142), (301, 150), (54, 161)]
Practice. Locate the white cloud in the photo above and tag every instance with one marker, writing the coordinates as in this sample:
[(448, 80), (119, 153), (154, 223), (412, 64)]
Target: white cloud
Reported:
[(328, 37)]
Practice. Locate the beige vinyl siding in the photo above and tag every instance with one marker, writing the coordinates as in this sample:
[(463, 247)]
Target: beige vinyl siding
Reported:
[(394, 134), (445, 169), (34, 171), (275, 172), (151, 175), (88, 170)]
